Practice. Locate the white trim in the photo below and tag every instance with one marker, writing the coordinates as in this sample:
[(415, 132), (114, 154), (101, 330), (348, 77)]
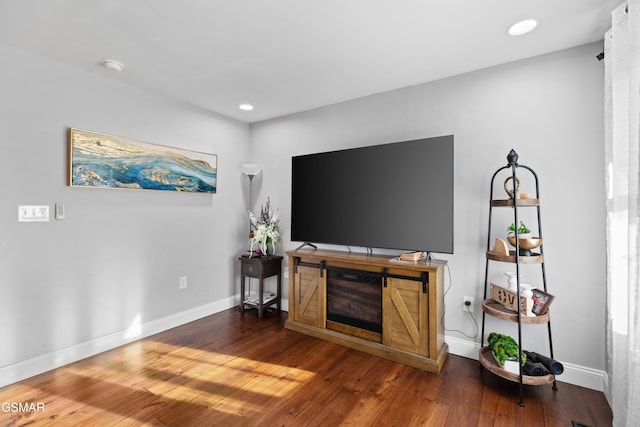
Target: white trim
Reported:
[(19, 371), (607, 390), (573, 374), (463, 348)]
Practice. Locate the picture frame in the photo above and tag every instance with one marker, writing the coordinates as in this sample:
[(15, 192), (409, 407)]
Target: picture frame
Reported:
[(108, 161), (541, 301)]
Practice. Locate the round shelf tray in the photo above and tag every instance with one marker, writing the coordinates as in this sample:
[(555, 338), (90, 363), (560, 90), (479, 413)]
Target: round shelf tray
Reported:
[(487, 360), (536, 258), (509, 202), (499, 311)]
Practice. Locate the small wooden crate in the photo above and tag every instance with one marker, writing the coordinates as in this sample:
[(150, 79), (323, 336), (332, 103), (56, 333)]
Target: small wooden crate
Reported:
[(508, 299)]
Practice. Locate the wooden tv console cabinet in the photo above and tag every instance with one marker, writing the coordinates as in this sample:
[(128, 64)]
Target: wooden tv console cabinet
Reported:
[(412, 306)]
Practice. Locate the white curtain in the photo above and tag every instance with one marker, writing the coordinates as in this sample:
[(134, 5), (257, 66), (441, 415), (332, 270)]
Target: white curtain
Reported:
[(622, 157)]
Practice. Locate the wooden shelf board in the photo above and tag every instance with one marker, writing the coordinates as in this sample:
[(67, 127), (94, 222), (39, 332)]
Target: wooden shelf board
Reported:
[(509, 202), (364, 261), (489, 362), (536, 258), (495, 309)]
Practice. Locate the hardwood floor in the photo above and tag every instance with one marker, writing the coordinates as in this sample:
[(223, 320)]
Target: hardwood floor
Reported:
[(232, 369)]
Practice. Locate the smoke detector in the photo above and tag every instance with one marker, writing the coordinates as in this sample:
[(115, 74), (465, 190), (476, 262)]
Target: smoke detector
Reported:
[(113, 65)]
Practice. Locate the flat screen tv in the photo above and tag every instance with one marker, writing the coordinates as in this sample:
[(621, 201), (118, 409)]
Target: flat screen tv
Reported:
[(392, 196)]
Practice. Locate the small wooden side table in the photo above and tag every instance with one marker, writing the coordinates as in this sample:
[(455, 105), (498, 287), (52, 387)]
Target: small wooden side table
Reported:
[(260, 268)]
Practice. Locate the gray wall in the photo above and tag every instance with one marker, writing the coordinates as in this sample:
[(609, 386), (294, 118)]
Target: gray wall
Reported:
[(115, 261), (549, 109), (113, 264)]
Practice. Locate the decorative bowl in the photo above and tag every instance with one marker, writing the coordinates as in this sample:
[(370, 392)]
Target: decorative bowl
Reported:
[(530, 243)]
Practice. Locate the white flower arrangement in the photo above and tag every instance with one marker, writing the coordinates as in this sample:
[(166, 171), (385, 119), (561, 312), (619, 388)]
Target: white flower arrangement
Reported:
[(265, 230)]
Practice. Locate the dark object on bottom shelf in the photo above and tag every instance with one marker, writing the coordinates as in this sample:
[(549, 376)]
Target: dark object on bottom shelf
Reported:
[(577, 424), (534, 369), (550, 364)]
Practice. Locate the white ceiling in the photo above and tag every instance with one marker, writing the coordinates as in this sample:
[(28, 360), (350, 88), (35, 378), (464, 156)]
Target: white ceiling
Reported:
[(286, 56)]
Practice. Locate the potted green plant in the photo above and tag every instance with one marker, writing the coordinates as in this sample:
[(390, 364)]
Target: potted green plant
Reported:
[(505, 349), (523, 231), (525, 241)]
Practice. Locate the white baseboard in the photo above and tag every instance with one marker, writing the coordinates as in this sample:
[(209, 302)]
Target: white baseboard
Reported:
[(46, 362), (463, 348), (573, 374)]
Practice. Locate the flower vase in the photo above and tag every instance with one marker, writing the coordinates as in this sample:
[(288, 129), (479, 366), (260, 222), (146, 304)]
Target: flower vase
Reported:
[(512, 282), (266, 250)]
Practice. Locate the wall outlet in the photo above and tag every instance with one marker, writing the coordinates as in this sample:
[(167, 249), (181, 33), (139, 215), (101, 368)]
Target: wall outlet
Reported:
[(183, 282), (468, 307)]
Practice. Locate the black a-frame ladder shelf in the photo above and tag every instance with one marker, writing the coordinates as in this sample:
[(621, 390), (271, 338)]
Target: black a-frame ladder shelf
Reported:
[(518, 257)]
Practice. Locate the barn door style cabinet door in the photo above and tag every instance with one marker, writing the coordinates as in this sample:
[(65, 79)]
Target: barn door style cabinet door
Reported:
[(309, 280), (406, 313)]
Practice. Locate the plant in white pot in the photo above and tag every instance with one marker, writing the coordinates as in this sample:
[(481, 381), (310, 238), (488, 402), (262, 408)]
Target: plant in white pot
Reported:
[(523, 231)]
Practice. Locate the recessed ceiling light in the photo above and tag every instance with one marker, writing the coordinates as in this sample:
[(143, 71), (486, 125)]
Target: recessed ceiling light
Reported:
[(113, 65), (245, 107), (522, 27)]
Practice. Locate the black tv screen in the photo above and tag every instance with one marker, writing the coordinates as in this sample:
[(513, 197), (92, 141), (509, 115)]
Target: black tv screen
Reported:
[(393, 196)]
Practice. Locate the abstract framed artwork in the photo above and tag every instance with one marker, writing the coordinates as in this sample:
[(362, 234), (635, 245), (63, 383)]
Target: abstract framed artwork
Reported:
[(107, 161)]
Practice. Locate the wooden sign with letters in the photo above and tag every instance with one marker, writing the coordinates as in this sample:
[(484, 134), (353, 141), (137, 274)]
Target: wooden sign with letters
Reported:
[(508, 299)]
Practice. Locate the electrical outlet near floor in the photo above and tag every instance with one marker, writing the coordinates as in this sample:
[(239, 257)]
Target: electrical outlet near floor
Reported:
[(183, 282), (470, 305)]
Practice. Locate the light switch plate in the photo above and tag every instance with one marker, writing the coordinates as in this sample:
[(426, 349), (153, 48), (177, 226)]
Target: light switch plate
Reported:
[(59, 210), (32, 213)]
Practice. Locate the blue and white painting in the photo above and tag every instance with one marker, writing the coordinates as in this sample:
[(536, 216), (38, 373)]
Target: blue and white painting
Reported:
[(98, 160)]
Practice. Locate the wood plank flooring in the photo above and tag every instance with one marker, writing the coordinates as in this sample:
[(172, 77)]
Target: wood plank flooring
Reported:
[(233, 369)]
